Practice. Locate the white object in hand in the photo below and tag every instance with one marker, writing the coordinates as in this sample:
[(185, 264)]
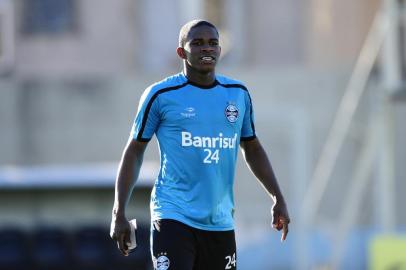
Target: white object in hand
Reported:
[(133, 241)]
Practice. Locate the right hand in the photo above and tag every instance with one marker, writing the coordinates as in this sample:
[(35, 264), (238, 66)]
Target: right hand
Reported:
[(280, 218), (120, 231)]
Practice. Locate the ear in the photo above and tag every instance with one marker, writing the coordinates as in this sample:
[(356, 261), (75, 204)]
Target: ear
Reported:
[(181, 52)]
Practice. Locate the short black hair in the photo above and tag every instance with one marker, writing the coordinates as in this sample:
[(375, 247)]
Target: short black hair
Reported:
[(184, 31)]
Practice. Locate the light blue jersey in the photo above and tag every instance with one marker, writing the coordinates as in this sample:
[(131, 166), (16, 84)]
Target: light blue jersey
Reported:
[(198, 130)]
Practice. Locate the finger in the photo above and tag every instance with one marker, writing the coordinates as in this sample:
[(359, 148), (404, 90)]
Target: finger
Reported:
[(278, 226), (121, 245), (277, 223), (275, 219), (127, 240), (285, 231)]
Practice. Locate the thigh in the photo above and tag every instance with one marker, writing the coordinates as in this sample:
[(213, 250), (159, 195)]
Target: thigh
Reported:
[(172, 245), (216, 251)]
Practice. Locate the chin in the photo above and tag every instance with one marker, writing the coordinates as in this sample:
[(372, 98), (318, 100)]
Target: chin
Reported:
[(202, 68), (206, 69)]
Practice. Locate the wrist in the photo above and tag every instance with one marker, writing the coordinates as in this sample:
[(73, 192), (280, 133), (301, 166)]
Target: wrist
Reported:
[(118, 212), (279, 199)]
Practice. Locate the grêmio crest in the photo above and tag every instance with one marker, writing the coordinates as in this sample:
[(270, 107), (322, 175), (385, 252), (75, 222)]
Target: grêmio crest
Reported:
[(231, 112)]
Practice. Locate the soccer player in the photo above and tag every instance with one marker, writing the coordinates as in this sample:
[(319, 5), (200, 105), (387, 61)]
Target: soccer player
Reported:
[(199, 118)]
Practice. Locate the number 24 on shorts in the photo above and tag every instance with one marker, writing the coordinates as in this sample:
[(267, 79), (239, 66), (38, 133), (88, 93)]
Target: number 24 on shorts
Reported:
[(230, 260)]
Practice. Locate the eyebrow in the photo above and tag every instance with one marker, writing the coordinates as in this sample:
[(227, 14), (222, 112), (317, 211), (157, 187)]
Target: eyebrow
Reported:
[(198, 39)]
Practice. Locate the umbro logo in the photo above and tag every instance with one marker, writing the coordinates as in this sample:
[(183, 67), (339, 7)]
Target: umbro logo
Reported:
[(188, 112)]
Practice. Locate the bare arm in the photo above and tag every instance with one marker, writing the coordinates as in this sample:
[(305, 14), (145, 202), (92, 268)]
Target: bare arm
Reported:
[(128, 172), (260, 166)]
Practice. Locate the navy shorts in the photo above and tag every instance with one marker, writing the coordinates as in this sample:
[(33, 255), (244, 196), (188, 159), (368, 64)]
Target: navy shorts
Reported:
[(177, 246)]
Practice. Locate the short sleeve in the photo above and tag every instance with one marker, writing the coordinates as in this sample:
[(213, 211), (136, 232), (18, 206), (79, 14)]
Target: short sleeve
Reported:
[(148, 117), (248, 127)]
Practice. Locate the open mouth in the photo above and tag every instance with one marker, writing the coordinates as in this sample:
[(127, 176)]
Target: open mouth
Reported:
[(208, 59)]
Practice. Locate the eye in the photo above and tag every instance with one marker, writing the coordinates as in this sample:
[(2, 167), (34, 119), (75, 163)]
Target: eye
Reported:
[(196, 42), (214, 42)]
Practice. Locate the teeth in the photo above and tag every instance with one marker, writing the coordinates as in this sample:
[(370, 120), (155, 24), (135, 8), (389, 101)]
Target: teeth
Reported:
[(207, 58)]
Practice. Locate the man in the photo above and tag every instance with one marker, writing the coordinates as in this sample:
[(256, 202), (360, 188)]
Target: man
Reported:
[(199, 119)]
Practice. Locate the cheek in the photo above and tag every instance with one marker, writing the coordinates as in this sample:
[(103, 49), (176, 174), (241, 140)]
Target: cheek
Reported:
[(193, 55)]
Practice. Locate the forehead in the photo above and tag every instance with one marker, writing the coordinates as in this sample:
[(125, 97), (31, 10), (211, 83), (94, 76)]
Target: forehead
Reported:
[(202, 32)]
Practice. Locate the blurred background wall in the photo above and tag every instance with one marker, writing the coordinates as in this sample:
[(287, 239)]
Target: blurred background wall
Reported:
[(71, 74)]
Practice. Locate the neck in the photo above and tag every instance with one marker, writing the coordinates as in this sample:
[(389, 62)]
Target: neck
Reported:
[(194, 76)]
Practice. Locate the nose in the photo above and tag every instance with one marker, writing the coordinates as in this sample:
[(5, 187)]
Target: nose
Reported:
[(207, 48)]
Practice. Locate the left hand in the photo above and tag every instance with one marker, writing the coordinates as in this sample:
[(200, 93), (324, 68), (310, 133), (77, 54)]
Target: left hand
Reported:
[(280, 218), (120, 231)]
